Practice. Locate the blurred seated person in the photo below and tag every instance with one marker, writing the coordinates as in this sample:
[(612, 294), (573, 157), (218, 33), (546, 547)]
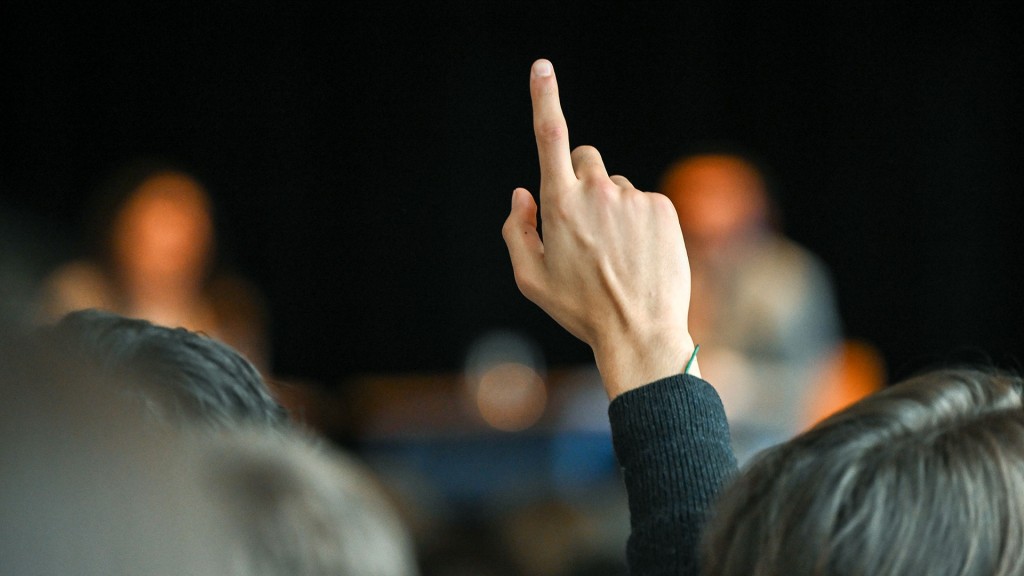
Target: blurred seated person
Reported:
[(763, 306), (153, 242)]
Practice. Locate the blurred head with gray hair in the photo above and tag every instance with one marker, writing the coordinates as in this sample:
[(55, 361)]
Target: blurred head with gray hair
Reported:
[(925, 477), (299, 509)]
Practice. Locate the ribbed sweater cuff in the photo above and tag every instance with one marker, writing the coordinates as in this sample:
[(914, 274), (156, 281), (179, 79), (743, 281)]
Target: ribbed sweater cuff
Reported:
[(672, 441)]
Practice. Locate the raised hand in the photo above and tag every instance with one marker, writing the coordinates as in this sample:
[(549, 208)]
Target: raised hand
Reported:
[(611, 268)]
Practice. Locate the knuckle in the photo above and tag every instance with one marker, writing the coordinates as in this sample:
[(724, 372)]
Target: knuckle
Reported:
[(507, 229), (605, 189), (662, 204), (664, 210), (550, 130), (527, 284)]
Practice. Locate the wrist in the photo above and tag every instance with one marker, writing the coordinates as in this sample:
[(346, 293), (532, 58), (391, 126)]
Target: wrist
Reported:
[(628, 363)]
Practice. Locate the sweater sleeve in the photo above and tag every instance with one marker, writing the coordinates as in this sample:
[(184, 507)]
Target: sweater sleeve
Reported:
[(672, 441)]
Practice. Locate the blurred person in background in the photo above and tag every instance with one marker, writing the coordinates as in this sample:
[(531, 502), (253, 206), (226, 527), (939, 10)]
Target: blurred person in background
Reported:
[(763, 307), (153, 241)]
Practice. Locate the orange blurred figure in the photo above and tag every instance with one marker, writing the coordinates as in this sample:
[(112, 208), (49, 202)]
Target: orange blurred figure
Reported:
[(762, 307), (721, 202), (162, 241)]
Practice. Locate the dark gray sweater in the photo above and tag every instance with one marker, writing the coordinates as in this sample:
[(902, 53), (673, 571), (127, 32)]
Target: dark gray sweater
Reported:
[(672, 441)]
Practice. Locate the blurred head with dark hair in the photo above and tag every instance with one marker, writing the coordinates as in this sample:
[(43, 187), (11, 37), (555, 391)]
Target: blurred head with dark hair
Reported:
[(181, 374), (925, 477)]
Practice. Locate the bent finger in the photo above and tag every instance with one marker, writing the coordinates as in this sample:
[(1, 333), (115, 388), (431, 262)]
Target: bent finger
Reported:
[(525, 248), (587, 163)]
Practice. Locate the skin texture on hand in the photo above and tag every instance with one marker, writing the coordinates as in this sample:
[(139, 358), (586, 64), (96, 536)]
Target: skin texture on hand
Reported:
[(611, 268)]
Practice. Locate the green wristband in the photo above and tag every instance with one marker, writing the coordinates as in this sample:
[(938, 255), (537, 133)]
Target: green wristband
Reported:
[(693, 358)]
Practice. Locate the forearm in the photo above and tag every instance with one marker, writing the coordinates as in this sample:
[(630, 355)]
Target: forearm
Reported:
[(672, 441)]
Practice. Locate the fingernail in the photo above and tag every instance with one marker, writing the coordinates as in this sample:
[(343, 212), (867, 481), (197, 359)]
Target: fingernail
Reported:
[(542, 68), (515, 196)]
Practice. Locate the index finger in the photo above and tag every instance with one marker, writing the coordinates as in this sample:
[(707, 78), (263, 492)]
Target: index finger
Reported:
[(549, 126)]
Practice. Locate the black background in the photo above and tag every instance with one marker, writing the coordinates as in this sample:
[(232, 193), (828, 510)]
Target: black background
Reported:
[(363, 156)]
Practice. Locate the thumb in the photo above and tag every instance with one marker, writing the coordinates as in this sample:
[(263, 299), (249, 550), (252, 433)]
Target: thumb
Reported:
[(524, 245)]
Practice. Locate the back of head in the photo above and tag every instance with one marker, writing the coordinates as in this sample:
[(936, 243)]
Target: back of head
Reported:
[(87, 487), (179, 374), (296, 508), (926, 477)]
